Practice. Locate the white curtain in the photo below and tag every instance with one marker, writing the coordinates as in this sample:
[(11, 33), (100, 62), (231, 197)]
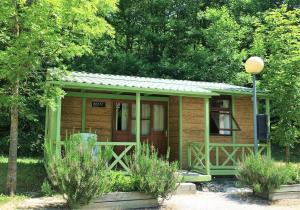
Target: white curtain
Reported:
[(224, 122), (159, 119), (124, 117)]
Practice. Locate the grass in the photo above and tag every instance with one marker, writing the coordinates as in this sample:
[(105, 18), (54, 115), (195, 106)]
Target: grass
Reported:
[(30, 175), (4, 199)]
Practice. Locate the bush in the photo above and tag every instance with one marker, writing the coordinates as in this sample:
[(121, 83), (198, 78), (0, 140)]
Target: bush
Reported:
[(46, 188), (264, 175), (153, 175), (121, 182), (82, 173)]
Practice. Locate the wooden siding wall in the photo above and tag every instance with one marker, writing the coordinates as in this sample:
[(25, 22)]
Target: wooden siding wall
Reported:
[(98, 119), (173, 127), (244, 116), (70, 115), (193, 124)]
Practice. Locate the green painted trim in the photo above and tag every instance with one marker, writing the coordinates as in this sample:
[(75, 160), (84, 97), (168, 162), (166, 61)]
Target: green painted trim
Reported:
[(52, 125), (77, 85), (138, 122), (83, 114), (238, 93), (233, 114), (168, 118), (223, 172), (180, 129), (46, 122), (269, 125), (113, 96), (57, 123), (114, 143), (206, 135), (200, 178)]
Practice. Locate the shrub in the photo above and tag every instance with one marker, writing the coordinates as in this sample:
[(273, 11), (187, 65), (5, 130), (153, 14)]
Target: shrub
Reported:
[(264, 175), (121, 182), (82, 173), (46, 188), (153, 175)]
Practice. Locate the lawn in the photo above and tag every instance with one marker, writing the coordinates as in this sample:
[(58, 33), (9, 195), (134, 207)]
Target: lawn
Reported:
[(30, 175)]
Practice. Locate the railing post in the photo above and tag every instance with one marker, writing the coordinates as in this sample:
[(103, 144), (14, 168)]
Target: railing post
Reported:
[(189, 156), (206, 135), (180, 130), (138, 121), (57, 126), (268, 113)]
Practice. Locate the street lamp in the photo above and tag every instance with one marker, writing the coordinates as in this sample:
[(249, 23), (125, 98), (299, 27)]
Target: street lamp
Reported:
[(254, 65)]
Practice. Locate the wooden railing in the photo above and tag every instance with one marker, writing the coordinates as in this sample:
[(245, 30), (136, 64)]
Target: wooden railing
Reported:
[(220, 156), (119, 151)]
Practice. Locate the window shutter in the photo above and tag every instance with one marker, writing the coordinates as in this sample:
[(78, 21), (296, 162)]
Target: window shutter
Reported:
[(262, 127)]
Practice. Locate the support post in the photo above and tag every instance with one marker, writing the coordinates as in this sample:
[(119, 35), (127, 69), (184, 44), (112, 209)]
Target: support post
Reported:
[(138, 121), (180, 130), (206, 135), (46, 123), (233, 134), (254, 116), (268, 113), (83, 113), (57, 127)]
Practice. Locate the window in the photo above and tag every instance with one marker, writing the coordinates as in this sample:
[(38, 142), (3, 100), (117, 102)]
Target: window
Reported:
[(221, 118), (145, 119), (121, 116), (159, 118)]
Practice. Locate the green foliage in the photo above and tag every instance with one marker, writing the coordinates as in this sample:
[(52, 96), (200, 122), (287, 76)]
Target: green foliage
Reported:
[(121, 182), (46, 188), (82, 173), (264, 175), (153, 175), (277, 39)]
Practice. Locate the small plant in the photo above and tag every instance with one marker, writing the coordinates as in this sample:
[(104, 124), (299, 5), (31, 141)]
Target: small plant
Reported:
[(153, 175), (264, 175), (82, 173), (46, 188), (121, 182)]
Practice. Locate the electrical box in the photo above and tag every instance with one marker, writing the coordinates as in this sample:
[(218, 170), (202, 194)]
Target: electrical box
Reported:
[(262, 127)]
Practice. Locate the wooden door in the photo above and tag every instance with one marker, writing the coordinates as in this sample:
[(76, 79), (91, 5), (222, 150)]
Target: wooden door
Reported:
[(153, 123)]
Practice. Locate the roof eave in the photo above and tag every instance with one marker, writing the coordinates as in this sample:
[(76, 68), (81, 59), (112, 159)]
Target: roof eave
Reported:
[(87, 86)]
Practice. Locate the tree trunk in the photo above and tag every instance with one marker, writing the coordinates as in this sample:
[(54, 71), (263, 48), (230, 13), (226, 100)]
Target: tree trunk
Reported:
[(287, 154), (11, 183)]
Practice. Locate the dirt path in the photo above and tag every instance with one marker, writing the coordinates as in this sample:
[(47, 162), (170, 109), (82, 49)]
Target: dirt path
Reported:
[(226, 201), (199, 201)]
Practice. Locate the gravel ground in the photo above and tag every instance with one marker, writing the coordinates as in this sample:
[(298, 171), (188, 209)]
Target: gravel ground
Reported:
[(220, 194)]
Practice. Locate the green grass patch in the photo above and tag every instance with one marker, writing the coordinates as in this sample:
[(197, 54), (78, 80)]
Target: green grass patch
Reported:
[(30, 174), (4, 199)]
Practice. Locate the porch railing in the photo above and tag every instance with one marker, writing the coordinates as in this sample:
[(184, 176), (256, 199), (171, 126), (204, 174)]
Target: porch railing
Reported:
[(119, 152), (222, 158)]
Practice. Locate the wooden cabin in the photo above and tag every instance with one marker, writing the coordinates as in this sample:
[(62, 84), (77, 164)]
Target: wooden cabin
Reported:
[(208, 127)]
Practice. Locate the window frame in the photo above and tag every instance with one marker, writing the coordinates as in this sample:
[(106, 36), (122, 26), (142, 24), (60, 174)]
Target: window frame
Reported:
[(218, 110)]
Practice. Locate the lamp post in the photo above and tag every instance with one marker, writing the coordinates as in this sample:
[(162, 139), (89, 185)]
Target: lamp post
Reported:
[(254, 65)]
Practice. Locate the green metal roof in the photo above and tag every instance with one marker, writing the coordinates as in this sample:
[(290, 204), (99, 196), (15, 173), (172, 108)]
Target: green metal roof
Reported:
[(145, 84)]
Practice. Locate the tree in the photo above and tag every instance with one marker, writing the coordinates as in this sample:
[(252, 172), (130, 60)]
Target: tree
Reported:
[(35, 36), (277, 40)]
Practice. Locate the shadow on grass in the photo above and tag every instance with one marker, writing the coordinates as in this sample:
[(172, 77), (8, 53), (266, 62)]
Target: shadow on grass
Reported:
[(30, 175)]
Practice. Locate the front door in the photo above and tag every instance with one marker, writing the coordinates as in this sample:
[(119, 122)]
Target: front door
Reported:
[(153, 123)]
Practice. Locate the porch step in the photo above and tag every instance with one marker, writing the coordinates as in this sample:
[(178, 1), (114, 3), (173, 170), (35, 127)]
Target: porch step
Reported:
[(186, 188), (190, 176)]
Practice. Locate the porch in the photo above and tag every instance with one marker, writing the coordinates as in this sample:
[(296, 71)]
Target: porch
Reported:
[(93, 108)]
